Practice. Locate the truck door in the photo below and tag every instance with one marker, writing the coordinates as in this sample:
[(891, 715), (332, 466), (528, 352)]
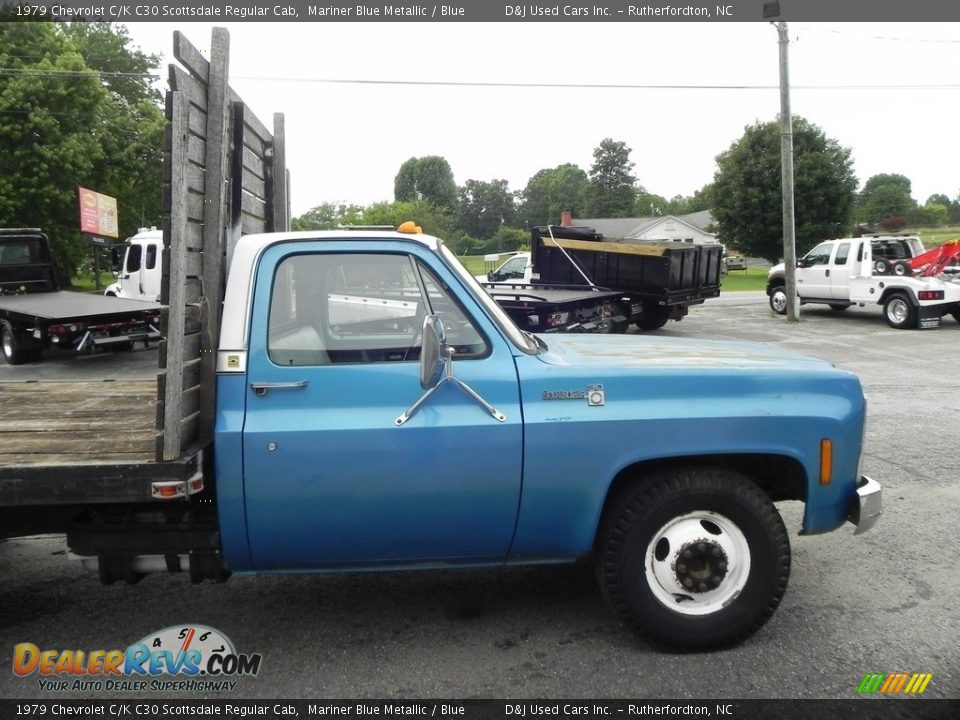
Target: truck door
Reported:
[(150, 271), (813, 273), (840, 269), (329, 478)]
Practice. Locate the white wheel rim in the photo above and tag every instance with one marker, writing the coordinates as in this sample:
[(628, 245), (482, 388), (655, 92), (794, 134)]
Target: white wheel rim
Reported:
[(663, 561), (779, 301), (898, 311)]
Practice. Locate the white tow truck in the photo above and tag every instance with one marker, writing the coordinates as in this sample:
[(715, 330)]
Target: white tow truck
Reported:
[(915, 287)]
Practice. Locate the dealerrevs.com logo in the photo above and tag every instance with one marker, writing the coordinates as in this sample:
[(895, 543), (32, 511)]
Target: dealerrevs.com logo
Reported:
[(178, 658)]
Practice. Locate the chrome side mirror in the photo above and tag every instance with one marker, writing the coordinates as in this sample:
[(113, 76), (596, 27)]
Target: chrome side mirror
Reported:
[(436, 370), (433, 352)]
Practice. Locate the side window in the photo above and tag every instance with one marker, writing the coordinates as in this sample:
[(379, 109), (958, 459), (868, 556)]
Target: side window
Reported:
[(359, 308), (134, 255), (151, 262), (820, 255), (843, 252), (514, 267)]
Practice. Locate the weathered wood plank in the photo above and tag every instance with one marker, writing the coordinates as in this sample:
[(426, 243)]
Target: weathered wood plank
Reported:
[(66, 422), (189, 56), (278, 192), (175, 281)]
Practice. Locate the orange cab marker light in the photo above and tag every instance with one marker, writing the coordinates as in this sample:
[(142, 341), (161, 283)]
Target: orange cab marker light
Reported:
[(826, 461), (409, 227), (168, 491)]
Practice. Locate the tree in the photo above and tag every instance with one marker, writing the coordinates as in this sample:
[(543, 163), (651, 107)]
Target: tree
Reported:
[(63, 125), (610, 192), (131, 126), (49, 101), (747, 199), (328, 216), (648, 204), (549, 192), (428, 178), (485, 207), (884, 195)]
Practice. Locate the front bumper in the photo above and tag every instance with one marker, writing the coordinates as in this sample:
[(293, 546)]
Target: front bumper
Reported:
[(867, 506)]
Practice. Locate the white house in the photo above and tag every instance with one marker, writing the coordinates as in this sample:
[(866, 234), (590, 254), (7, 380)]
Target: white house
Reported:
[(678, 228)]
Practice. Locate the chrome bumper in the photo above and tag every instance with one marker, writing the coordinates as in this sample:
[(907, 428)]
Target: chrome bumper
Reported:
[(866, 508)]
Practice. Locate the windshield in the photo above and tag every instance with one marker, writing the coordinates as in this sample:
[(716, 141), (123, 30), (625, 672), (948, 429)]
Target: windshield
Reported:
[(523, 340)]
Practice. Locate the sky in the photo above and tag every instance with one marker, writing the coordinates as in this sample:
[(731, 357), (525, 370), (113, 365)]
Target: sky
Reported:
[(888, 92)]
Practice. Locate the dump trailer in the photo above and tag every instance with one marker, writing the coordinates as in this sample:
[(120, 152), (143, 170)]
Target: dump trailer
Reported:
[(658, 279)]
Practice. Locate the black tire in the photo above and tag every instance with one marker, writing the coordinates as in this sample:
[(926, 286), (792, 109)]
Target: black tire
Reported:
[(837, 307), (899, 311), (652, 321), (956, 313), (12, 345), (698, 511), (901, 269), (778, 300), (881, 267)]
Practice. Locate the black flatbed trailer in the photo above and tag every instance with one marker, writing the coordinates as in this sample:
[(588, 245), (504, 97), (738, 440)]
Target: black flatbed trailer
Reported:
[(541, 307), (35, 313)]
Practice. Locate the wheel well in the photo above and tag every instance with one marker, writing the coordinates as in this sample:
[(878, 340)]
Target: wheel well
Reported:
[(905, 291), (780, 477)]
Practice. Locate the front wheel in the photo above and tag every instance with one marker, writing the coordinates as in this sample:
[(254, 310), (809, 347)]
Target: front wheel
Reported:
[(899, 311), (778, 300), (696, 559)]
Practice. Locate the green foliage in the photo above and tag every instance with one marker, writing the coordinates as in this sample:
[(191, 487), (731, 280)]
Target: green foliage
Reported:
[(63, 125), (930, 215), (485, 207), (549, 192), (747, 198), (883, 196), (433, 220), (610, 192), (428, 178), (328, 216), (507, 239)]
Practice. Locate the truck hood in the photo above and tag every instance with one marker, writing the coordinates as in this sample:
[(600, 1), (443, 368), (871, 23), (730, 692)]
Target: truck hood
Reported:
[(590, 351), (777, 269)]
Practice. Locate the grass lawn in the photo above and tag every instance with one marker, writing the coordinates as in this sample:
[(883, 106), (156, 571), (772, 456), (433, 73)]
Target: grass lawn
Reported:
[(933, 236), (84, 282), (754, 278)]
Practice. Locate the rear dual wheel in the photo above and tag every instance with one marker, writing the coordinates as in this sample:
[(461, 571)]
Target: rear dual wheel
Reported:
[(694, 559)]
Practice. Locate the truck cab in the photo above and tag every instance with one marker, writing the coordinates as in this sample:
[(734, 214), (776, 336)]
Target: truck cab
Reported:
[(140, 268), (518, 268), (376, 409)]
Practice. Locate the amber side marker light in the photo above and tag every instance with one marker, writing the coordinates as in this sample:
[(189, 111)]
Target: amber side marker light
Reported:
[(826, 461)]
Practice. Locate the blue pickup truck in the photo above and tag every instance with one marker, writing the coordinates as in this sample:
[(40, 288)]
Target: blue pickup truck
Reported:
[(376, 409)]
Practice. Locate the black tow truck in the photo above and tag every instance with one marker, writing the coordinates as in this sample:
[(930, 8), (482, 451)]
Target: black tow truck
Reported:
[(36, 314)]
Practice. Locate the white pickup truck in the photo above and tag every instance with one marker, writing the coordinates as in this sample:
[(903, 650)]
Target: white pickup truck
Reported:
[(871, 270)]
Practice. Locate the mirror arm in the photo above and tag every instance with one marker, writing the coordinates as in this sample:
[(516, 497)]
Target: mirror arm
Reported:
[(412, 410), (494, 413), (448, 377)]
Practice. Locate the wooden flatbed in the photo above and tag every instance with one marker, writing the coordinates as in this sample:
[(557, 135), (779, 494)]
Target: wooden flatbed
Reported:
[(83, 441)]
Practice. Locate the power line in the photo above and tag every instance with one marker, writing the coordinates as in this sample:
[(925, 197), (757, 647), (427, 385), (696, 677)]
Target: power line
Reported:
[(9, 72)]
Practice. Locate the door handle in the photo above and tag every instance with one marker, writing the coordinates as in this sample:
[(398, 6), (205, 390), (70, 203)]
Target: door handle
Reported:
[(260, 388), (828, 272)]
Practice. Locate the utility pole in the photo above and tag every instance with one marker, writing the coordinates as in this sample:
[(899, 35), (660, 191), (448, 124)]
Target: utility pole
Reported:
[(786, 176)]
